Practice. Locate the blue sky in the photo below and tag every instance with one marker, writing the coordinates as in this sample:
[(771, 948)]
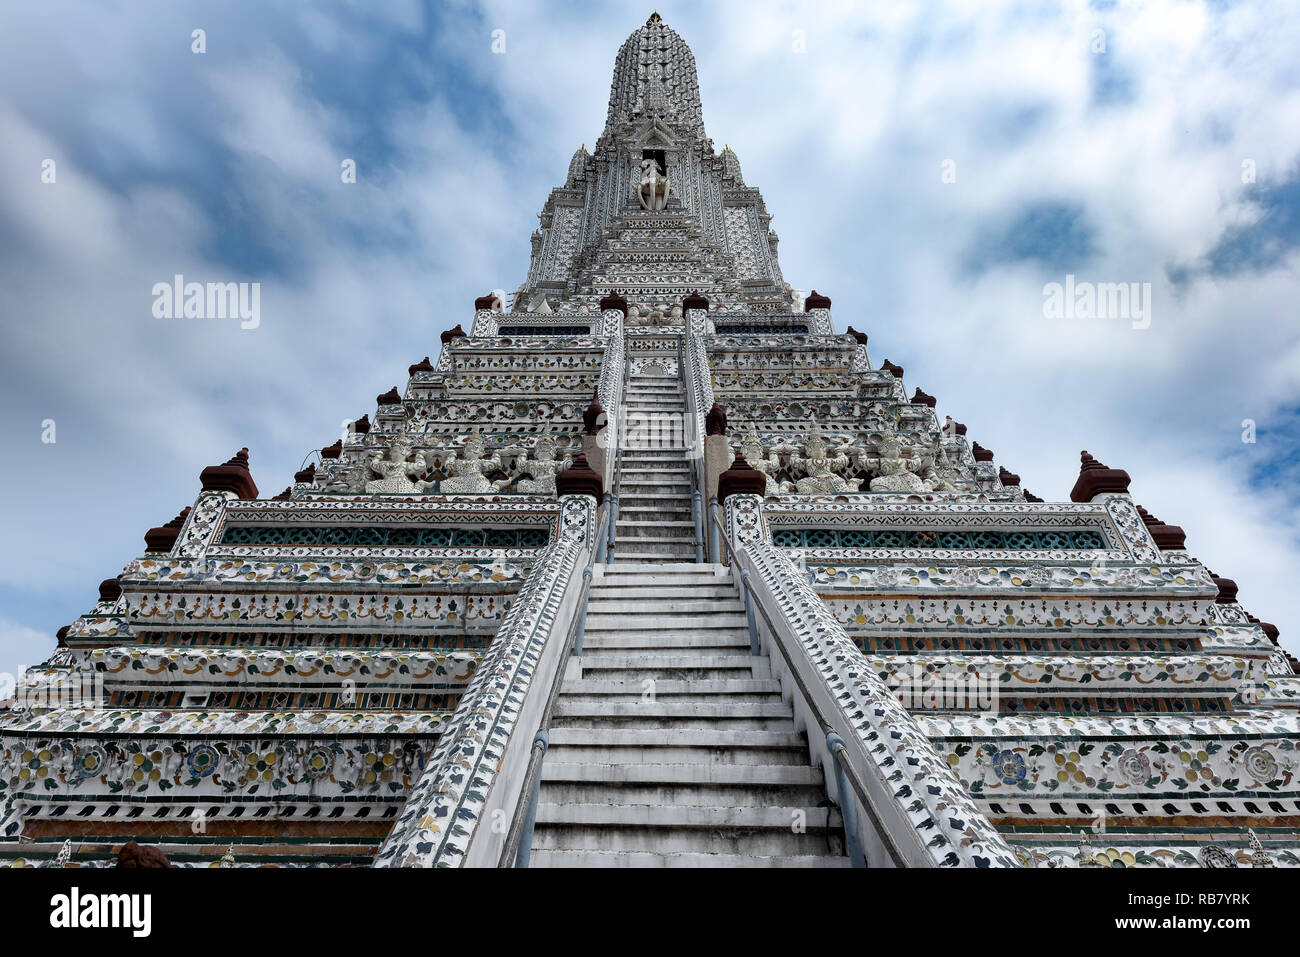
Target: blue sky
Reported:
[(1121, 165)]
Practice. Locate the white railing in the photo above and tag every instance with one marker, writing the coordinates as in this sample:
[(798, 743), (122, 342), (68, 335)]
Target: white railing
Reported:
[(914, 810), (477, 774)]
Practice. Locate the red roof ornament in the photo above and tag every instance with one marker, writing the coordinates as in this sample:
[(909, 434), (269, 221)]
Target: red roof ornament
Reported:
[(861, 337), (456, 332), (741, 479), (815, 300), (715, 423), (1007, 478), (924, 398), (391, 397), (1095, 479), (614, 302), (694, 301), (981, 454), (162, 538), (424, 365), (332, 451), (306, 476), (110, 589), (581, 479), (135, 856), (593, 417), (1227, 590), (1166, 537), (485, 302), (231, 476), (283, 496), (895, 371)]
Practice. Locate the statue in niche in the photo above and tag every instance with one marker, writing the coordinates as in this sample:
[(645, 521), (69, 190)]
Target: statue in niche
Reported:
[(769, 463), (467, 469), (543, 466), (893, 473), (396, 468), (820, 464), (655, 188)]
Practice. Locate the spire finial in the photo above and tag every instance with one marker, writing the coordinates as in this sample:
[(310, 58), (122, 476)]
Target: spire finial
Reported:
[(654, 18)]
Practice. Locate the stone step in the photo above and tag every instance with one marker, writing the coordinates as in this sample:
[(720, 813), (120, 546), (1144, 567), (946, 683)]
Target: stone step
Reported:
[(677, 738), (677, 859), (599, 665), (667, 754), (720, 642), (779, 819), (754, 775), (652, 794), (600, 605), (685, 570), (631, 589), (659, 623), (678, 532), (668, 686), (747, 842), (649, 580), (659, 551), (689, 711)]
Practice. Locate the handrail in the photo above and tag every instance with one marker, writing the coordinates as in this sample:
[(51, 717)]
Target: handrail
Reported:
[(518, 843), (858, 786)]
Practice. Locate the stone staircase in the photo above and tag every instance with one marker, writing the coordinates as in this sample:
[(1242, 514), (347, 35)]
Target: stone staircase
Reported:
[(671, 745), (655, 521)]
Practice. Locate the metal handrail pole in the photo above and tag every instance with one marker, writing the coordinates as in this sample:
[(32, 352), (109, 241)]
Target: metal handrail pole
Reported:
[(715, 549), (582, 612), (848, 806), (541, 742), (749, 612)]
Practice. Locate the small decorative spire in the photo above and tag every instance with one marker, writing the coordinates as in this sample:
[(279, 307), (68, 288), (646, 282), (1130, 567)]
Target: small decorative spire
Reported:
[(741, 479), (614, 302), (231, 476), (455, 332), (593, 418), (861, 337), (980, 453), (580, 479), (1166, 537), (424, 365), (924, 398), (895, 371), (816, 300), (695, 301), (715, 423), (110, 589), (332, 451), (391, 397), (1007, 478), (1095, 479), (162, 538)]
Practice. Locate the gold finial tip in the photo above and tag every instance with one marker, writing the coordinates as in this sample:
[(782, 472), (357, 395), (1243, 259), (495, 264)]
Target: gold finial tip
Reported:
[(654, 18)]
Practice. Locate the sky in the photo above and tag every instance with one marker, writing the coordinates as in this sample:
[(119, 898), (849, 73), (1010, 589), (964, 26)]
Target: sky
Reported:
[(931, 166)]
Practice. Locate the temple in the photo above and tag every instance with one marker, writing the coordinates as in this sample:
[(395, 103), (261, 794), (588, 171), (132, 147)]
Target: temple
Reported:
[(654, 567)]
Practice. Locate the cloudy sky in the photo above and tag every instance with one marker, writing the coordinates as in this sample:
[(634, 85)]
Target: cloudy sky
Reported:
[(1151, 142)]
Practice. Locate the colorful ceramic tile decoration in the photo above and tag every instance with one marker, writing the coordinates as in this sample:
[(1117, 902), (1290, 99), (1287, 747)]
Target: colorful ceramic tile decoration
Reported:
[(656, 442)]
